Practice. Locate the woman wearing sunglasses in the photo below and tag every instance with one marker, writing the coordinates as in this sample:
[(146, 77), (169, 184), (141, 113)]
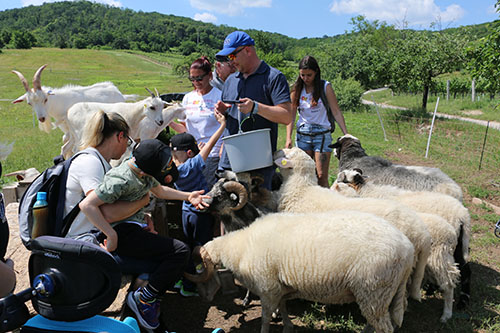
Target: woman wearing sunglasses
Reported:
[(199, 119)]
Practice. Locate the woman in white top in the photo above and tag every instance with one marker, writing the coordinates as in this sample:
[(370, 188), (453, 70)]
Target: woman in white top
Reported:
[(105, 138), (313, 128), (199, 119)]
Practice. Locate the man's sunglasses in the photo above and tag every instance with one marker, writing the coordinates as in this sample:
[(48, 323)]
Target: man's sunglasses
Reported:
[(197, 78), (232, 56)]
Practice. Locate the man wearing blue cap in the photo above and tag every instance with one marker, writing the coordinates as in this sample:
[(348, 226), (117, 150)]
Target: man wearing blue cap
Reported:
[(262, 91)]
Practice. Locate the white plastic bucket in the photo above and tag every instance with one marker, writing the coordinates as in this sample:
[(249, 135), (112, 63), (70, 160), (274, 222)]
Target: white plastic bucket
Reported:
[(249, 150)]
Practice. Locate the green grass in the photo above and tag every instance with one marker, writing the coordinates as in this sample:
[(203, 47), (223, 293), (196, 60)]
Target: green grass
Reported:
[(460, 106), (456, 148)]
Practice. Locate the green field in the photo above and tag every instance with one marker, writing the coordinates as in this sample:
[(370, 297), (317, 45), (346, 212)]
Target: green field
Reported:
[(457, 148)]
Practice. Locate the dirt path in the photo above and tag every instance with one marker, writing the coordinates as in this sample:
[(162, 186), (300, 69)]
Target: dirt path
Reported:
[(492, 124)]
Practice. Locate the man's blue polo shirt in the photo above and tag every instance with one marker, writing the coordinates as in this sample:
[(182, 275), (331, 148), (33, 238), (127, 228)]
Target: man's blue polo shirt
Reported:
[(266, 85)]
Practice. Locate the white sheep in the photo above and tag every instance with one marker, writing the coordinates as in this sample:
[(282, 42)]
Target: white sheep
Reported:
[(381, 171), (441, 269), (133, 113), (300, 193), (334, 258), (50, 102), (353, 183)]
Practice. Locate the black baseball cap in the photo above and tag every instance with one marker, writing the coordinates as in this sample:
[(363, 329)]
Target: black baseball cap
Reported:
[(184, 141), (154, 158)]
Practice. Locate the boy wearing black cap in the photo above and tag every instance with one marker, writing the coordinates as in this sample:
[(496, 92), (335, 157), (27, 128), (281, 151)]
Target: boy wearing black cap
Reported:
[(150, 168), (190, 162)]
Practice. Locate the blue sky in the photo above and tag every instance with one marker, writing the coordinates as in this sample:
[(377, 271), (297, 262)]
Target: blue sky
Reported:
[(309, 18)]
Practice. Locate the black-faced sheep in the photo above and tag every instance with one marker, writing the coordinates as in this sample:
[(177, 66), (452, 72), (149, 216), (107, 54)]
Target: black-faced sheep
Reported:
[(381, 171), (334, 258), (300, 193), (352, 183)]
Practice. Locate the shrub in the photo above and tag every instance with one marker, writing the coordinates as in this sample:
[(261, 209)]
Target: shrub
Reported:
[(348, 93)]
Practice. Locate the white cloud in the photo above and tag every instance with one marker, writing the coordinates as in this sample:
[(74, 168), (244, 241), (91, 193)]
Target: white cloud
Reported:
[(415, 12), (205, 17), (229, 7), (40, 2)]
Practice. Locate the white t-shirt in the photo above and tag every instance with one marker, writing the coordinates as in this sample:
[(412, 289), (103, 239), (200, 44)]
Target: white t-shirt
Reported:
[(85, 173), (199, 117), (309, 114)]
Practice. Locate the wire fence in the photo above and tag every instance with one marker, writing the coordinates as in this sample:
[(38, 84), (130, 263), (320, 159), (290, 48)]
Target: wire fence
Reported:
[(461, 145)]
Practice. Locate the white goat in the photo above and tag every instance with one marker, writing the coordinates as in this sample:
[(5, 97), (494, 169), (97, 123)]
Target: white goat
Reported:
[(334, 258), (351, 182), (54, 102), (300, 193)]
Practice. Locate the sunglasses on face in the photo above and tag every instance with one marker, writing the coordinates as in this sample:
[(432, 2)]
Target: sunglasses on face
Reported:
[(232, 56), (130, 141), (197, 78)]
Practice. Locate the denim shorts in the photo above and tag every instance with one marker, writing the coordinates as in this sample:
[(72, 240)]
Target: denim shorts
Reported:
[(314, 141)]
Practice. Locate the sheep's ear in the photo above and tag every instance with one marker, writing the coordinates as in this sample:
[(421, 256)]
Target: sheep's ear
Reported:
[(358, 179), (341, 177), (284, 163), (358, 170)]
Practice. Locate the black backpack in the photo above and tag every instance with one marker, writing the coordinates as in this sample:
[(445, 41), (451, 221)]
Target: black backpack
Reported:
[(53, 181), (331, 118)]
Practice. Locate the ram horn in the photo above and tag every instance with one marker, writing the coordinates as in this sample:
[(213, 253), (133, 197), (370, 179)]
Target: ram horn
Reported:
[(149, 91), (36, 78), (200, 253), (23, 80), (240, 190)]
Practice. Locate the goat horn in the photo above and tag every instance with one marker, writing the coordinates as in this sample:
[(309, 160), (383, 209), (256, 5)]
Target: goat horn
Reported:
[(238, 189), (157, 94), (36, 78), (149, 91), (199, 252), (23, 80)]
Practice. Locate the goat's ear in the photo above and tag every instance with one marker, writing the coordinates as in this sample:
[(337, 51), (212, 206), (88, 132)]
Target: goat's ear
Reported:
[(19, 99), (358, 170), (284, 163)]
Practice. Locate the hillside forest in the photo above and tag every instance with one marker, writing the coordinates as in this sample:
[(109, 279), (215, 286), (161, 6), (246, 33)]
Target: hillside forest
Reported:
[(372, 54)]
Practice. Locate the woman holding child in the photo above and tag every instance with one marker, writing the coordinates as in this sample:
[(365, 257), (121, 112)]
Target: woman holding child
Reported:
[(199, 118), (121, 196)]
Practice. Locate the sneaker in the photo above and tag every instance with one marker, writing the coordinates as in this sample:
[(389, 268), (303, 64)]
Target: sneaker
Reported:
[(178, 284), (147, 313), (188, 293)]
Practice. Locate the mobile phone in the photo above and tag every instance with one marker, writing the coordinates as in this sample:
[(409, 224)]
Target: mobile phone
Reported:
[(232, 101)]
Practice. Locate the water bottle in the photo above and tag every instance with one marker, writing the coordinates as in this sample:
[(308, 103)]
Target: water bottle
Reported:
[(40, 215)]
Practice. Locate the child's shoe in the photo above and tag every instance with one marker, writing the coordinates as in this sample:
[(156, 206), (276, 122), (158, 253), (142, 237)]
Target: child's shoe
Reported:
[(147, 312)]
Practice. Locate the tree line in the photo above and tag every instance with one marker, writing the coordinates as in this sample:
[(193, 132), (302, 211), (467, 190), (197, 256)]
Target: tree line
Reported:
[(371, 55)]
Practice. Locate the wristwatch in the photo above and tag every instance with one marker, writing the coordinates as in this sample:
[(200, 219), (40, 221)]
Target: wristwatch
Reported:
[(255, 109)]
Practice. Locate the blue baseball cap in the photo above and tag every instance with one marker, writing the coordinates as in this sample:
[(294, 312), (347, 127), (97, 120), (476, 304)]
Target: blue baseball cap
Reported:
[(234, 40)]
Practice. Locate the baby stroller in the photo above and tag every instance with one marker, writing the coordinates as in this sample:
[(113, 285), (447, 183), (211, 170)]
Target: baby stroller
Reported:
[(72, 281)]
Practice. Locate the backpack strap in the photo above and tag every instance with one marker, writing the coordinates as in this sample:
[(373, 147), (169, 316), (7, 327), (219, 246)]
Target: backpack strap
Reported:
[(63, 223), (329, 114)]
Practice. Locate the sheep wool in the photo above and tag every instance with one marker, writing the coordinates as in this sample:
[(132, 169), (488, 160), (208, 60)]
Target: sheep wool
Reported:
[(332, 258), (300, 193)]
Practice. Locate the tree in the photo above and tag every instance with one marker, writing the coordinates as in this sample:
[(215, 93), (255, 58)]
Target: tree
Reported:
[(417, 57), (484, 60), (23, 39)]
